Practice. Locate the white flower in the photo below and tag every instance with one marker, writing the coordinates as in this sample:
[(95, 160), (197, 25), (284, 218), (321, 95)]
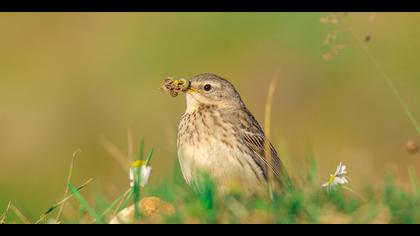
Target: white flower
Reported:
[(145, 174), (338, 178), (140, 167)]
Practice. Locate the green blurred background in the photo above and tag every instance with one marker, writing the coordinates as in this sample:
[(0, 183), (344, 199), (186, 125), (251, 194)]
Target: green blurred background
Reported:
[(68, 79)]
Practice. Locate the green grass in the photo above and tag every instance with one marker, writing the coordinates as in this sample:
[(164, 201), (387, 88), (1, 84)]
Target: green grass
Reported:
[(306, 202), (309, 203), (84, 204)]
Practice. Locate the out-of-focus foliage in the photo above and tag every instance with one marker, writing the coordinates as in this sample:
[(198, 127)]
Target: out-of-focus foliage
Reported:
[(73, 81)]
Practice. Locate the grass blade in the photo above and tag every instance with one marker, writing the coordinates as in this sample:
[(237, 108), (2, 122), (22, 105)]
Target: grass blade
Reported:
[(414, 181), (61, 203), (4, 215), (117, 202), (149, 157), (124, 202), (66, 192), (20, 215), (267, 130), (85, 204), (141, 151), (115, 152), (387, 79), (136, 192)]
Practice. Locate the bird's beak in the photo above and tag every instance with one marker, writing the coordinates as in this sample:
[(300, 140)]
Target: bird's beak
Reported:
[(189, 89)]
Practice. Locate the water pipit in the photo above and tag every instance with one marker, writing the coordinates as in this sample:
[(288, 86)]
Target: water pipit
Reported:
[(218, 136)]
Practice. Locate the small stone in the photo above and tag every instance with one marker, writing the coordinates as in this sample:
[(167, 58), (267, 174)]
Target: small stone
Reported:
[(152, 208)]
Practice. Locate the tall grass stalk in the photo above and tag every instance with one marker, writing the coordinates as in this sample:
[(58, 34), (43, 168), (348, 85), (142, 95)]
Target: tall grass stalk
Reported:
[(61, 203), (414, 181), (115, 152), (20, 215), (66, 192), (3, 216), (387, 79), (267, 130)]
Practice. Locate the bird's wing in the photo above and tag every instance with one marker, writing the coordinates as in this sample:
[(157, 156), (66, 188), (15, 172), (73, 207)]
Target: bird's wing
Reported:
[(265, 154)]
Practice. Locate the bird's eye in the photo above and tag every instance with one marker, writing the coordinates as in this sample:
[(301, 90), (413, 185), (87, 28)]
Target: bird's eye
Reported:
[(207, 87)]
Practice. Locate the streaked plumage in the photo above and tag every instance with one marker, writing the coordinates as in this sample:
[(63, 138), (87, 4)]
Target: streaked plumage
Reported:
[(218, 135)]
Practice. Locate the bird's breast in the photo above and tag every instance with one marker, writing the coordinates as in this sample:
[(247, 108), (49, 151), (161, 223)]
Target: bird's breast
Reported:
[(206, 142), (203, 127)]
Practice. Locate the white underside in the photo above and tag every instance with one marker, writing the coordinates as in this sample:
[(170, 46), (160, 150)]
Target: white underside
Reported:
[(221, 163)]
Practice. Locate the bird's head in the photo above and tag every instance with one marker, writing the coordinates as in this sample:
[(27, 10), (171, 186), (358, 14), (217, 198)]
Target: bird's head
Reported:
[(210, 89)]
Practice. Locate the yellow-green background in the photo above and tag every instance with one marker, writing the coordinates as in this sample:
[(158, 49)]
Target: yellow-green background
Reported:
[(67, 79)]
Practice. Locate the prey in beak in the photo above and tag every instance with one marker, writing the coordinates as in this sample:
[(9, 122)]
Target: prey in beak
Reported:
[(174, 87)]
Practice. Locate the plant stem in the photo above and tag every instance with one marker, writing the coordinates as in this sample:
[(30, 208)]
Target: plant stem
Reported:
[(386, 78)]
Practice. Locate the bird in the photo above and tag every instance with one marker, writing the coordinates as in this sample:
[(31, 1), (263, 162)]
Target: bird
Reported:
[(219, 136)]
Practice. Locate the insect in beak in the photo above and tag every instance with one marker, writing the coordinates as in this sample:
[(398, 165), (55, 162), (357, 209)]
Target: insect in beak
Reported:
[(176, 86)]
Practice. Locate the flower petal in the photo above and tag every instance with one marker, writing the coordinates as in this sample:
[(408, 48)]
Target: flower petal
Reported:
[(145, 174), (341, 180), (338, 169), (131, 173)]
